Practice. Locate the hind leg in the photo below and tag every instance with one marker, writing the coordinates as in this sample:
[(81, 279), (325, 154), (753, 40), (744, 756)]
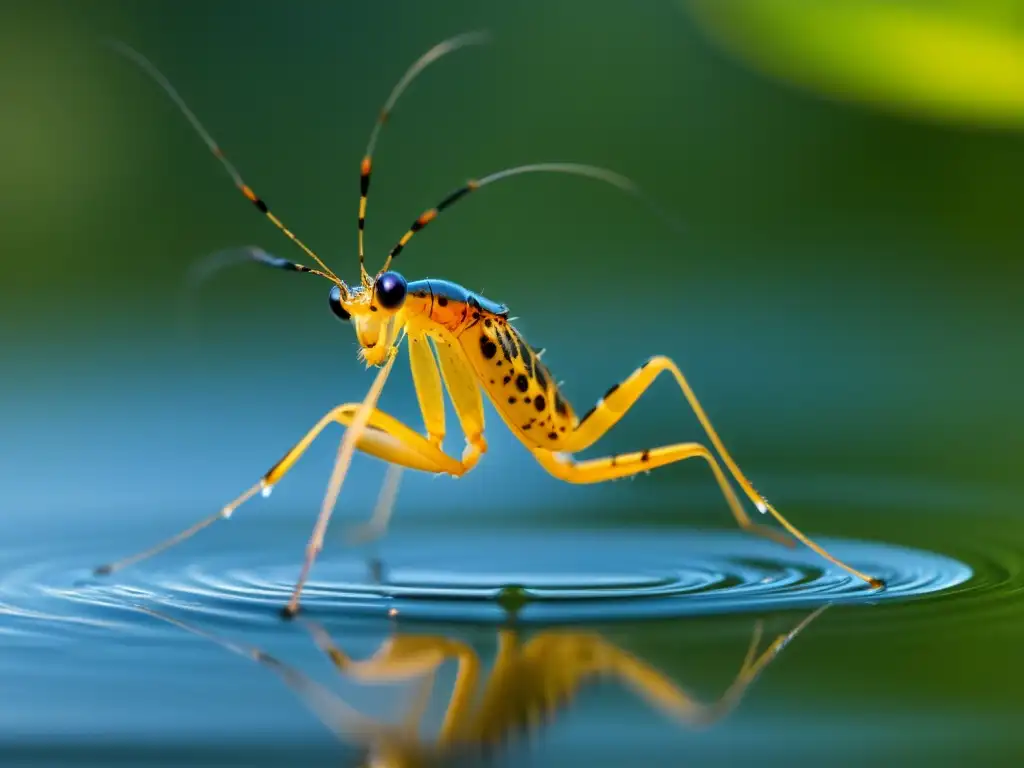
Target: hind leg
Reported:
[(628, 464)]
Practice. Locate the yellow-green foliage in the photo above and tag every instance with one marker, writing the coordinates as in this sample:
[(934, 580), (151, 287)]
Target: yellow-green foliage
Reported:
[(948, 60)]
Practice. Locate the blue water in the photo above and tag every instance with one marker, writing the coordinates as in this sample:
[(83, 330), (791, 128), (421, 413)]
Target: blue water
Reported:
[(156, 663), (561, 576)]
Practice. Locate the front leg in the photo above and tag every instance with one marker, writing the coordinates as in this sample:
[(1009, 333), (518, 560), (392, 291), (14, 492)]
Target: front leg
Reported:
[(425, 378), (430, 387)]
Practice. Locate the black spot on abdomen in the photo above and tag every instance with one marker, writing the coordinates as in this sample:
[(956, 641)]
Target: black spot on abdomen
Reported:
[(487, 348)]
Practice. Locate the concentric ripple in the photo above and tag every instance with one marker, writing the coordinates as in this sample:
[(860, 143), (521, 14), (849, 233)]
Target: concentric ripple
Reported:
[(547, 576)]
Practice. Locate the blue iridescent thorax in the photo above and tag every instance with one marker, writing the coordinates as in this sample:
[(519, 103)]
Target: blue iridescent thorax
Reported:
[(455, 292)]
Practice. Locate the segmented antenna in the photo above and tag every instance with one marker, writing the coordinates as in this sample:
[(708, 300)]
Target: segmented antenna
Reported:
[(576, 169), (439, 50), (149, 68)]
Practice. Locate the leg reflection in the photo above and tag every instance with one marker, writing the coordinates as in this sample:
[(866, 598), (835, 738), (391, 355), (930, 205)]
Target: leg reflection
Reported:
[(528, 684)]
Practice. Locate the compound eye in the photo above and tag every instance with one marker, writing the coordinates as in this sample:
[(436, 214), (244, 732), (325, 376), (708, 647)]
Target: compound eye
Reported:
[(390, 289), (336, 306)]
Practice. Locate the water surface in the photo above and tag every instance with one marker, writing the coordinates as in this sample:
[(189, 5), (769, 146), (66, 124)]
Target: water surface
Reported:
[(139, 664)]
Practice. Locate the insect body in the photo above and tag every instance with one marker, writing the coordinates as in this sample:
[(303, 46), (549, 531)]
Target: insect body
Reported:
[(507, 368), (462, 344)]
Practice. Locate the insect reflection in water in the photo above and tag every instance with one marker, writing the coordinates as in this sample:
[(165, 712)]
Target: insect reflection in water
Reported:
[(530, 682)]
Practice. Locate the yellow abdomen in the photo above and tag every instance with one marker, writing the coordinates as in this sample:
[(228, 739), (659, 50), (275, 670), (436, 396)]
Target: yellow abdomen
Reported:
[(516, 381)]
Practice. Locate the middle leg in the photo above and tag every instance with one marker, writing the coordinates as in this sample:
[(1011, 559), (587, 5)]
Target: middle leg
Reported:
[(430, 379), (425, 380)]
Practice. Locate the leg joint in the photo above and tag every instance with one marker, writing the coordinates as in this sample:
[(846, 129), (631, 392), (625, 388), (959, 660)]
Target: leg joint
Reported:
[(659, 360)]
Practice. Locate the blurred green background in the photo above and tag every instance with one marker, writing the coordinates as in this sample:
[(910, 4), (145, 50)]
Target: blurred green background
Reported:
[(846, 299), (838, 259)]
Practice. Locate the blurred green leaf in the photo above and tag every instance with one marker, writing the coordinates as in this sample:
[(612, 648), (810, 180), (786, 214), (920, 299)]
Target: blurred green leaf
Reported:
[(947, 60)]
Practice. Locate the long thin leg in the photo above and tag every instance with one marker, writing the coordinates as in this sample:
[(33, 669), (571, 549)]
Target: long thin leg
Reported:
[(224, 514), (460, 381), (385, 438), (464, 391), (571, 658), (345, 453), (427, 383), (627, 464), (430, 382), (471, 455), (751, 668), (615, 404), (399, 658), (377, 525), (341, 718), (406, 657)]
